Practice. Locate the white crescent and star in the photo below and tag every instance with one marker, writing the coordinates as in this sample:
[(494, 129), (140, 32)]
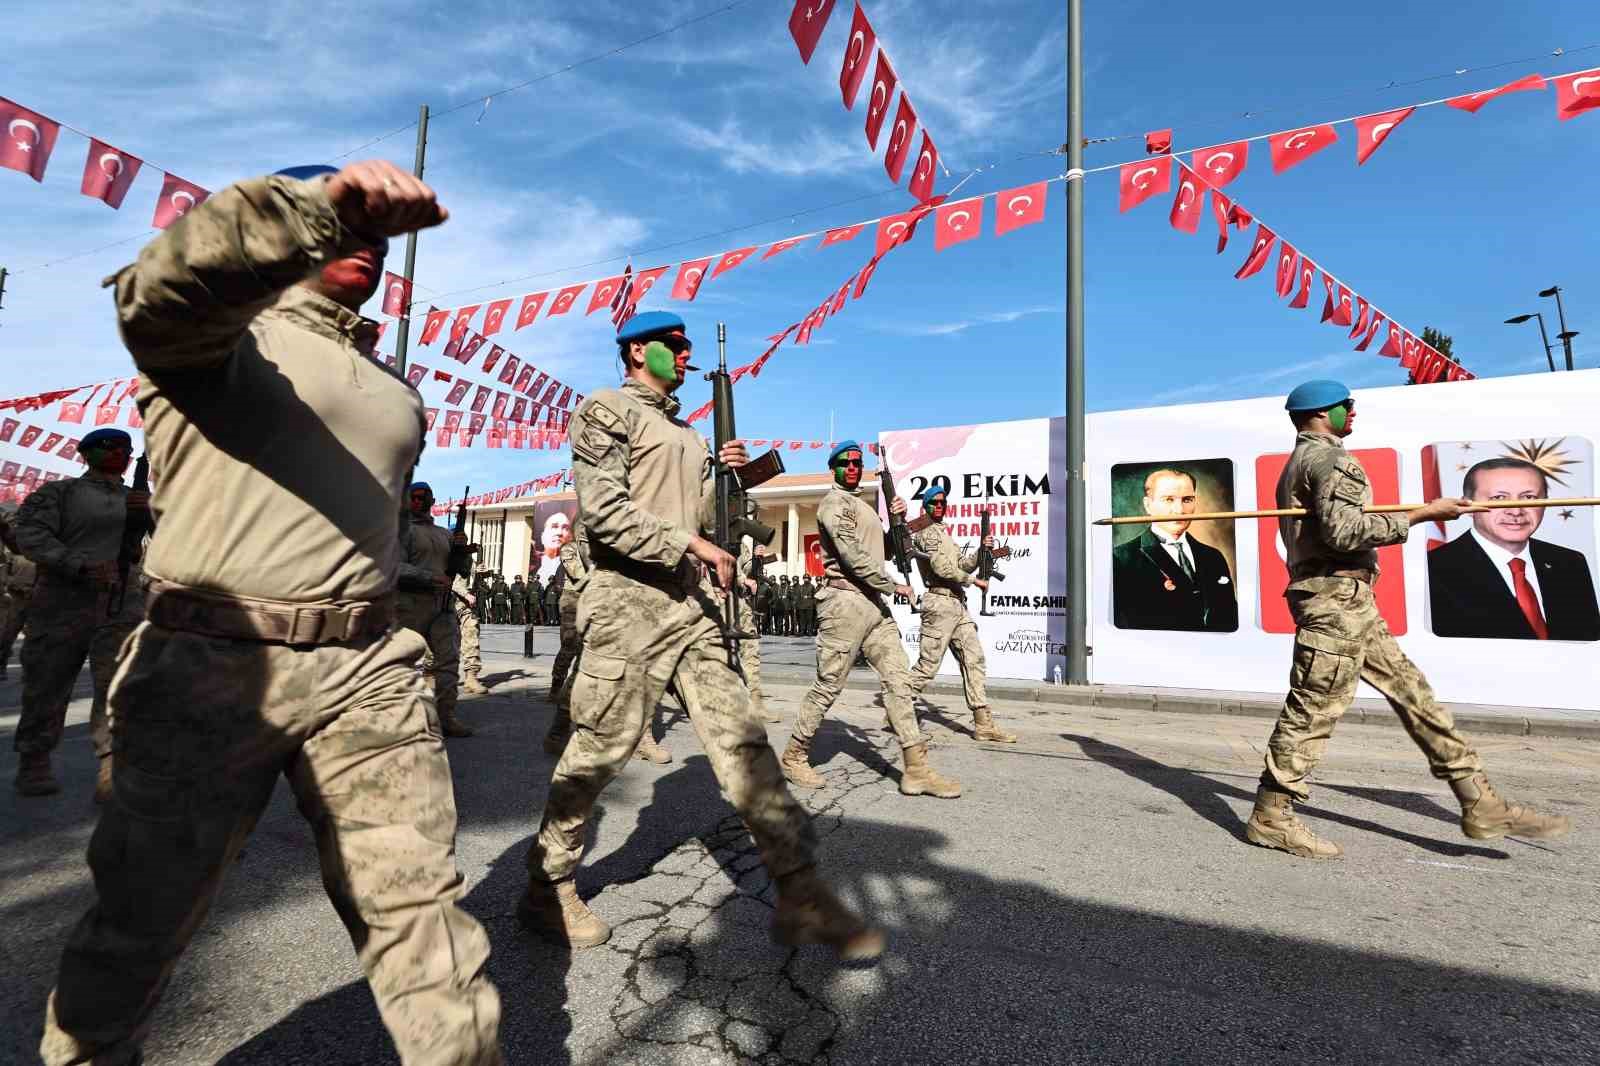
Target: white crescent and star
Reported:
[(857, 39), (181, 208), (894, 229), (1381, 130), (1297, 141), (397, 292), (925, 157), (1141, 172), (1185, 193), (963, 215), (878, 86), (1579, 83), (1019, 205), (23, 123), (899, 136), (693, 276), (115, 167), (1213, 162)]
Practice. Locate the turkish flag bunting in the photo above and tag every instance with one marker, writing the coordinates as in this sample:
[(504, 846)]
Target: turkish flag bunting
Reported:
[(177, 197), (841, 296), (415, 373), (1308, 270), (105, 414), (690, 275), (604, 292), (1240, 216), (531, 305), (779, 247), (1158, 142), (549, 394), (396, 294), (489, 361), (1392, 344), (905, 124), (957, 222), (1260, 252), (458, 391), (8, 428), (430, 415), (1142, 180), (108, 172), (508, 373), (1577, 93), (856, 53), (475, 424), (1221, 163), (29, 139), (1288, 268), (1410, 350), (894, 230), (1372, 330), (1022, 206), (500, 401), (806, 23), (441, 375), (566, 396), (1293, 147), (1339, 304), (31, 434), (463, 322), (497, 436), (1222, 210), (480, 398), (470, 349), (644, 281), (883, 84), (566, 298), (1472, 101), (495, 316), (433, 325), (922, 175), (1373, 130), (519, 409), (1363, 310), (840, 235), (52, 439), (1187, 203), (732, 259), (71, 412), (528, 384)]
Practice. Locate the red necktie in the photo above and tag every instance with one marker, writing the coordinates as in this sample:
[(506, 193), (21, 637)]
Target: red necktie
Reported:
[(1527, 600)]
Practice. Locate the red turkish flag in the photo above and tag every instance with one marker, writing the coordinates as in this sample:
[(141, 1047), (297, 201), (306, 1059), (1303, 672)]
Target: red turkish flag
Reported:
[(31, 433), (957, 222), (1308, 271), (458, 391), (1293, 147), (500, 401), (905, 124), (178, 197), (1260, 252), (779, 247), (1339, 305), (29, 139), (508, 373), (566, 396), (1393, 345), (857, 50), (433, 325), (895, 230), (1372, 330), (8, 428), (1472, 101), (1022, 206), (463, 321), (108, 172), (52, 439), (883, 84), (523, 382), (1222, 210), (690, 274), (1221, 163), (519, 409), (1142, 180), (396, 294), (644, 281), (415, 373), (565, 299), (732, 259), (489, 361), (494, 316), (1577, 93), (105, 414), (480, 398), (430, 415), (452, 421), (604, 292), (470, 349), (531, 305), (475, 423), (1363, 311), (840, 235), (1158, 142), (71, 412), (806, 23), (497, 435), (1373, 130), (923, 174), (1410, 350), (1187, 202)]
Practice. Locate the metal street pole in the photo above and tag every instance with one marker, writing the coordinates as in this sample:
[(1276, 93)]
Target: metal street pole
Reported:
[(1549, 349), (1077, 498), (403, 333), (1565, 336)]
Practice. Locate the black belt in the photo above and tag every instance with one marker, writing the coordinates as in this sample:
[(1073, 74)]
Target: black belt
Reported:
[(1359, 573)]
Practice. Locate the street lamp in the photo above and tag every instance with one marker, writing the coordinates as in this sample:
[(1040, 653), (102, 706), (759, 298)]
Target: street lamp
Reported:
[(1566, 335), (1548, 347)]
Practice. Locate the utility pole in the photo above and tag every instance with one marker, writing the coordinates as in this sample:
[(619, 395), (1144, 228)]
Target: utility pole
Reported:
[(1077, 499), (403, 334), (1566, 335), (2, 288)]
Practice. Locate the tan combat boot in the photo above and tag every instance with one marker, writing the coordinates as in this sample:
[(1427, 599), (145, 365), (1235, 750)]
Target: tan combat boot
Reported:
[(649, 751), (809, 913), (453, 726), (985, 731), (33, 774), (1273, 825), (555, 912), (796, 765), (1485, 816), (102, 781), (917, 778), (472, 686)]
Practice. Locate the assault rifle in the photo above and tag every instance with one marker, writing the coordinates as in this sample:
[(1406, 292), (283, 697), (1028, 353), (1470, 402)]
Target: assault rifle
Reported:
[(137, 524), (460, 564), (900, 546), (735, 511), (986, 559)]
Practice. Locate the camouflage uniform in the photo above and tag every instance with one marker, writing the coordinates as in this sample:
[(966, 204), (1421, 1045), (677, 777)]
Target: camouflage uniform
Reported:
[(281, 451), (573, 570), (62, 526), (425, 555), (946, 573), (750, 650), (467, 622), (648, 617), (1340, 639), (20, 572)]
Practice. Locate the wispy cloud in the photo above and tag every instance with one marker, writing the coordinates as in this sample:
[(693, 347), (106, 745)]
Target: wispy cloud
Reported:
[(947, 329), (813, 152), (1239, 384)]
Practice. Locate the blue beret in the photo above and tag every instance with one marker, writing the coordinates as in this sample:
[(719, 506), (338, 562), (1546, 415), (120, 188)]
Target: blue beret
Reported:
[(648, 324), (931, 492), (310, 170), (415, 485), (1317, 396), (844, 446), (99, 438)]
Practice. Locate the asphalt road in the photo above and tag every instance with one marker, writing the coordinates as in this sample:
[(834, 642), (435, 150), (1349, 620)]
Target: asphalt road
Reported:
[(1089, 900)]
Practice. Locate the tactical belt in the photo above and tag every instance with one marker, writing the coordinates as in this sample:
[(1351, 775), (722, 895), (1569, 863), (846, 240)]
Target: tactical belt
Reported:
[(850, 586), (215, 615), (954, 594), (1360, 574)]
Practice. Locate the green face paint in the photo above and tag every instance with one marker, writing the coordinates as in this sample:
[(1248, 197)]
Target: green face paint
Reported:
[(1339, 417), (838, 476), (660, 362)]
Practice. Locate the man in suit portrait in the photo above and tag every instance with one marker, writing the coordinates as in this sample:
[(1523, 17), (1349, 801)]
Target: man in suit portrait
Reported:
[(1165, 579), (1498, 580)]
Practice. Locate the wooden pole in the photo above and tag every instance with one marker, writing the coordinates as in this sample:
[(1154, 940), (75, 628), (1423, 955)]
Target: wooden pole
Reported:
[(1300, 512)]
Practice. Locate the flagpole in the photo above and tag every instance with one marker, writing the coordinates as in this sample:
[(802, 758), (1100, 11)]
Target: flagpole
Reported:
[(403, 333), (1077, 641)]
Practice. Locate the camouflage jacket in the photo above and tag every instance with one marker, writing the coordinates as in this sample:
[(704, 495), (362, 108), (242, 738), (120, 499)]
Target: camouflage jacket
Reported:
[(64, 524), (852, 541), (946, 567), (1329, 482)]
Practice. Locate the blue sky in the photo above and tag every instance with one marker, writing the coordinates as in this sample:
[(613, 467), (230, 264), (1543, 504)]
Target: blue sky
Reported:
[(1455, 223)]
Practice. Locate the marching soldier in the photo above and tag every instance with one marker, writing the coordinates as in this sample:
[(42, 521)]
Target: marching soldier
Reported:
[(426, 605), (519, 601), (471, 647), (269, 647), (565, 585), (1341, 640), (946, 573), (855, 618), (17, 587), (649, 616)]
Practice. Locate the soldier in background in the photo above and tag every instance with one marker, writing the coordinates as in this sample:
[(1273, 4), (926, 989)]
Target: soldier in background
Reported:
[(16, 585), (482, 595), (426, 605), (565, 585), (72, 531), (1341, 640), (471, 647), (783, 607), (501, 598), (806, 607), (519, 602), (748, 622)]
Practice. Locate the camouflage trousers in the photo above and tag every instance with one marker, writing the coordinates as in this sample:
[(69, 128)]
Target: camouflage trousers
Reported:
[(471, 654), (946, 624), (750, 657), (636, 639), (436, 625), (67, 625), (849, 622), (16, 613), (204, 727), (571, 648), (1341, 640)]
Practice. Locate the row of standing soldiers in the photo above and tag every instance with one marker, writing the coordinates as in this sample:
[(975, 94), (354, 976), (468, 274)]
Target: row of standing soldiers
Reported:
[(519, 603), (786, 606)]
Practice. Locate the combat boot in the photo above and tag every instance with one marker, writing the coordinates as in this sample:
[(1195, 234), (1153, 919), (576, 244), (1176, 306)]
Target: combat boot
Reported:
[(809, 913), (472, 686), (33, 774), (985, 731), (453, 726), (1485, 816), (917, 778), (555, 912), (102, 781), (1273, 825), (649, 751), (796, 765)]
